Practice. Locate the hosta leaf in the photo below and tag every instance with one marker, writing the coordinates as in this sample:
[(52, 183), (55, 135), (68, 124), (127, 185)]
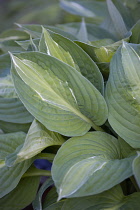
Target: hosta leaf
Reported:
[(105, 52), (57, 95), (94, 32), (111, 199), (13, 34), (8, 127), (36, 30), (126, 149), (102, 50), (122, 94), (125, 12), (58, 206), (30, 45), (135, 38), (37, 205), (11, 108), (82, 34), (5, 65), (68, 52), (10, 177), (37, 139), (8, 147), (22, 195), (136, 168), (95, 163), (131, 4), (136, 12), (50, 198), (84, 8), (10, 45), (53, 49), (117, 19)]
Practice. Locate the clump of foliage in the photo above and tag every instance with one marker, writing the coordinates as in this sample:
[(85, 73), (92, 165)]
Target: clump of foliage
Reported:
[(72, 97)]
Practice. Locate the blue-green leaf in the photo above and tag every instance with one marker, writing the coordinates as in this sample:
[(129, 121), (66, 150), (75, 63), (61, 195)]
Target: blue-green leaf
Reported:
[(117, 20), (11, 108), (89, 165), (10, 176), (22, 195), (57, 95), (136, 168), (123, 95), (37, 205), (37, 139), (68, 52)]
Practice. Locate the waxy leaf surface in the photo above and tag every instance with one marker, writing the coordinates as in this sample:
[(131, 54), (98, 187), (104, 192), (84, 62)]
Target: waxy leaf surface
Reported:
[(84, 8), (89, 165), (11, 108), (57, 95), (68, 52), (113, 199), (10, 176), (22, 195), (36, 30), (123, 95), (136, 168), (37, 205), (37, 139)]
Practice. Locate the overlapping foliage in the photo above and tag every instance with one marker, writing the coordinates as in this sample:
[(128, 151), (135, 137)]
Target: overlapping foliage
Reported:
[(70, 94)]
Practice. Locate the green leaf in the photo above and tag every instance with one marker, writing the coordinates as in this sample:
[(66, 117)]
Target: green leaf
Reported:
[(135, 38), (50, 198), (13, 34), (22, 195), (84, 8), (117, 19), (37, 205), (33, 171), (11, 108), (8, 127), (10, 177), (57, 95), (10, 45), (57, 206), (122, 94), (136, 168), (53, 49), (126, 149), (125, 12), (89, 165), (102, 51), (30, 45), (105, 52), (36, 30), (111, 199), (68, 52), (82, 34), (94, 32), (37, 139), (5, 65)]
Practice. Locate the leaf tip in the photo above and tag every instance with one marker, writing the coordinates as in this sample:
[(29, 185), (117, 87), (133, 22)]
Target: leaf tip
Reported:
[(11, 55), (19, 25), (60, 196)]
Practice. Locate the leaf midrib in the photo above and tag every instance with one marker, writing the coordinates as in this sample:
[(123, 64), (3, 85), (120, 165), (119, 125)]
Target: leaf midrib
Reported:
[(64, 103)]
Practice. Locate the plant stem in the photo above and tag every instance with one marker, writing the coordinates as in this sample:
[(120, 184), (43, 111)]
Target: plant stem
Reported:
[(97, 128), (46, 156), (36, 172), (135, 183)]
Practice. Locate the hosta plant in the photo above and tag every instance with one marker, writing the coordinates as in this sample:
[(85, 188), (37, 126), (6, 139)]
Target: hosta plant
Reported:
[(70, 94)]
